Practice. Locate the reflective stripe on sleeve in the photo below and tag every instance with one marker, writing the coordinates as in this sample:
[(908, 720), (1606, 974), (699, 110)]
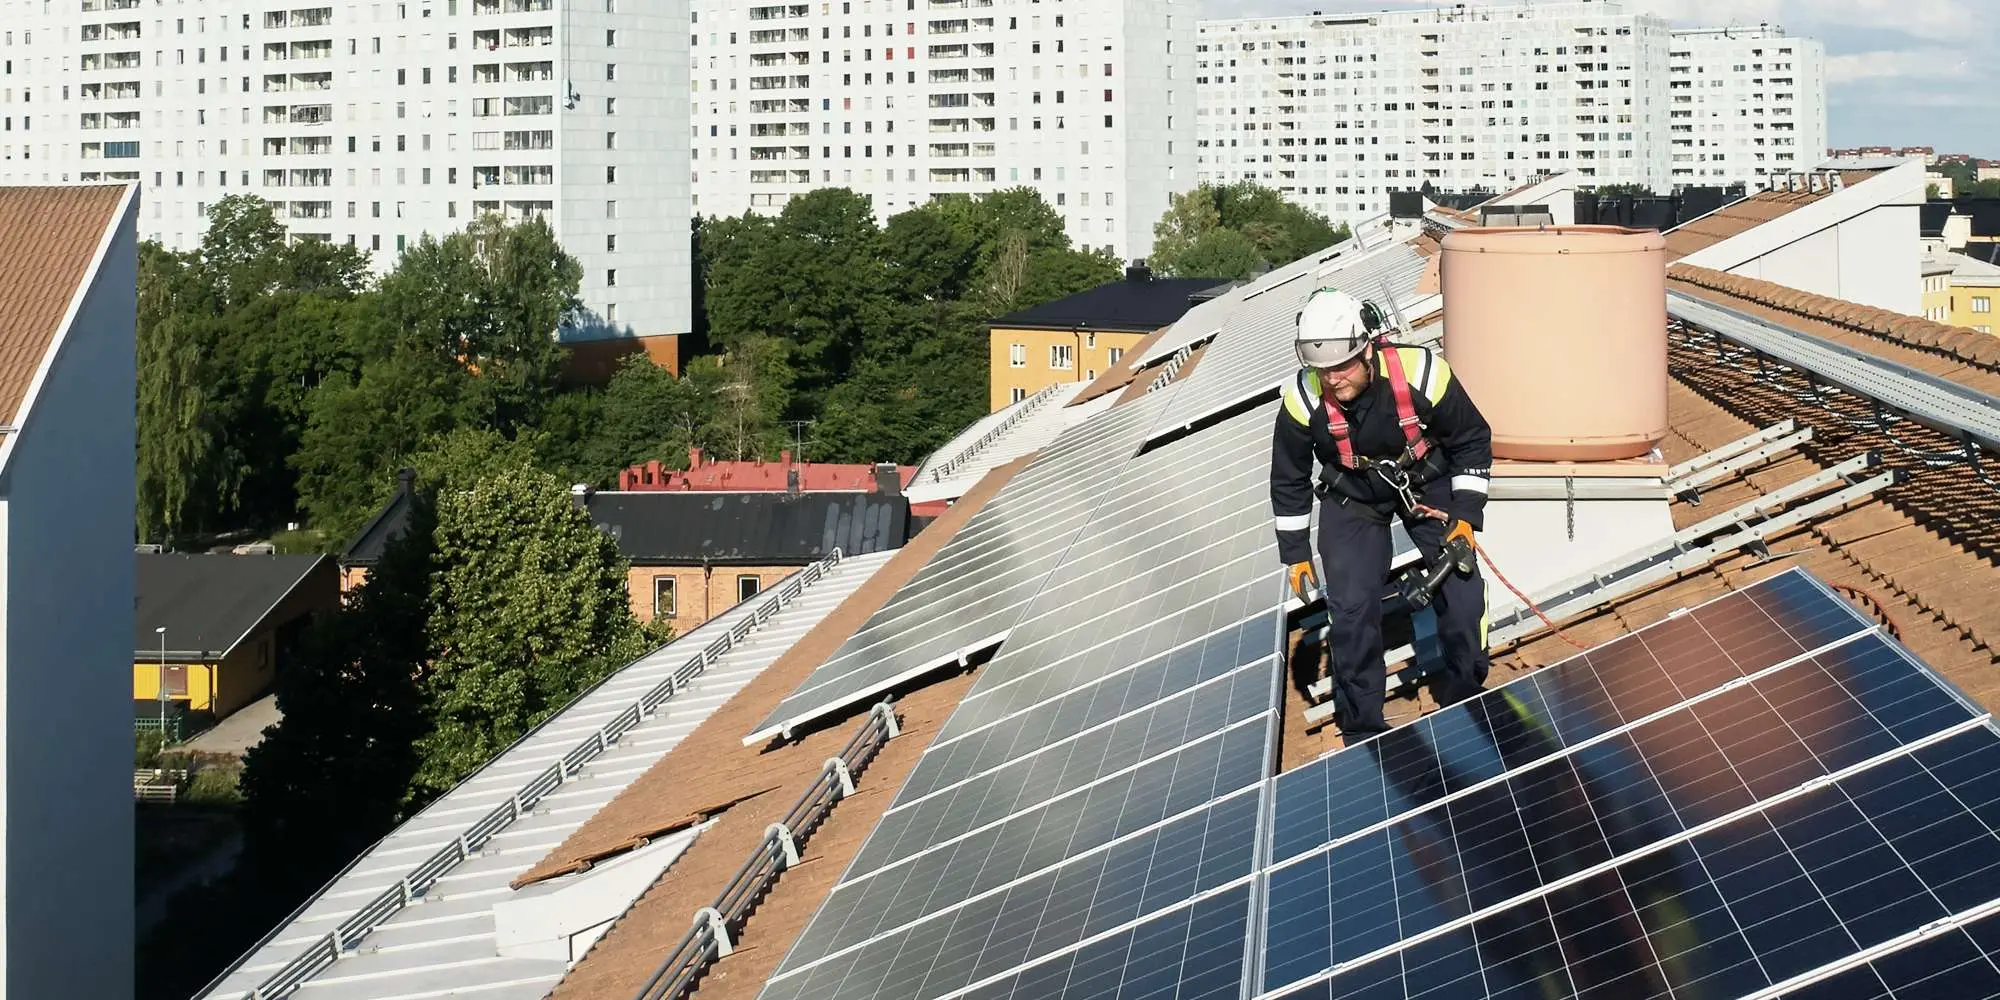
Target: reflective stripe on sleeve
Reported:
[(1469, 484), (1294, 522)]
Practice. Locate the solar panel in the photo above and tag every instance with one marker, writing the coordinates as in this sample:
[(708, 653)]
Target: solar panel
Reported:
[(992, 934), (1580, 699), (975, 588), (1960, 961), (1720, 805), (1192, 953), (1770, 898), (1541, 824), (1111, 760)]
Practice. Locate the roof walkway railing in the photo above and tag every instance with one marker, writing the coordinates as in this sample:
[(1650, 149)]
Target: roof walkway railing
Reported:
[(329, 948), (711, 935), (971, 451), (1966, 415)]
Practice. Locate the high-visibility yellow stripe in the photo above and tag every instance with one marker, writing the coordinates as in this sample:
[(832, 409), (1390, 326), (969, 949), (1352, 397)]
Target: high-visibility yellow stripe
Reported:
[(1295, 405)]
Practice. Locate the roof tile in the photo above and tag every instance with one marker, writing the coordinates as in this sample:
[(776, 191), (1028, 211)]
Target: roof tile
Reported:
[(64, 227)]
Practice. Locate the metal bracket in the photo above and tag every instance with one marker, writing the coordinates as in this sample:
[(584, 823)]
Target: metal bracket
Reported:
[(786, 845), (717, 929), (838, 768), (887, 713)]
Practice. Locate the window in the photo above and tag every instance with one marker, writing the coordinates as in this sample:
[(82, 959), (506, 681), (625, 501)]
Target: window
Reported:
[(1017, 356), (1090, 340), (663, 597), (747, 586), (1059, 357), (1115, 354), (1982, 304), (1016, 394)]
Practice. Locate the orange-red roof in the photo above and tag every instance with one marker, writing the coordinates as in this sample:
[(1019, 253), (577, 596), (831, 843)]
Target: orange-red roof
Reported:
[(703, 476), (54, 233)]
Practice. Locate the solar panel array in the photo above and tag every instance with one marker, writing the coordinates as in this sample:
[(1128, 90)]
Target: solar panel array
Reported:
[(1098, 817), (1722, 806)]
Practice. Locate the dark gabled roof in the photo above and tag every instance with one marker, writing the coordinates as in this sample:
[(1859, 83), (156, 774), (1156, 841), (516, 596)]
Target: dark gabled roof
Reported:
[(209, 603), (1988, 252), (386, 526), (1137, 306), (749, 529), (1985, 214)]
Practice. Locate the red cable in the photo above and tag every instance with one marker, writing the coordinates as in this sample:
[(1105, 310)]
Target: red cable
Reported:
[(1523, 598)]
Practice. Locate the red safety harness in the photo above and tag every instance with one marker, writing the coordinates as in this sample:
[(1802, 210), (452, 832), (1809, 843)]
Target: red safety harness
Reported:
[(1406, 415)]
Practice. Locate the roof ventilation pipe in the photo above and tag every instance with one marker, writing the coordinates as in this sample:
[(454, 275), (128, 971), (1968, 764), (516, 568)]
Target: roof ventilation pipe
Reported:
[(1560, 335)]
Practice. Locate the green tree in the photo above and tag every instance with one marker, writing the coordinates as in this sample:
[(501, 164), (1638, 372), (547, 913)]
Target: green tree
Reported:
[(1274, 230), (1222, 253), (528, 609)]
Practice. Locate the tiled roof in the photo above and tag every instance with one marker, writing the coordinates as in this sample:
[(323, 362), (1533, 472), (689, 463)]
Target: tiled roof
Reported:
[(754, 476), (1969, 357), (53, 234), (1735, 218)]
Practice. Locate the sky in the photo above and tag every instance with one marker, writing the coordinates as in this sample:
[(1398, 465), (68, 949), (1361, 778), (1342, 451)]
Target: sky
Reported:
[(1899, 72)]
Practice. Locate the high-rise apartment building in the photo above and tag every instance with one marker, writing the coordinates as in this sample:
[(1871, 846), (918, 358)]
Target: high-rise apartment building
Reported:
[(1090, 102), (1336, 111), (1745, 104), (373, 123)]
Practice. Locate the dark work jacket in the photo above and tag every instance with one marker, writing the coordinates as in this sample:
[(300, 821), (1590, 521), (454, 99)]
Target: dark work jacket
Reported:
[(1461, 446)]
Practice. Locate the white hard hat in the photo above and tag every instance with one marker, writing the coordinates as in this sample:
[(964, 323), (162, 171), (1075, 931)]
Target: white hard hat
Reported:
[(1333, 327)]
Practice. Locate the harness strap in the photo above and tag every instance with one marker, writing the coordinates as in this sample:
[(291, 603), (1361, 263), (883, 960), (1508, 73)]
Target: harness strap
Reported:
[(1406, 415)]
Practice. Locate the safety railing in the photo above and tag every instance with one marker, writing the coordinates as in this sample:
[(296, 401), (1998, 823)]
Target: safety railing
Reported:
[(711, 935), (1173, 369), (1027, 406), (329, 948)]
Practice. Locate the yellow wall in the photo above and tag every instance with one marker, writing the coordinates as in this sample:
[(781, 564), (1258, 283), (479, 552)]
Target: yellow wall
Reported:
[(696, 598), (1090, 353), (200, 680), (1964, 312), (1937, 297)]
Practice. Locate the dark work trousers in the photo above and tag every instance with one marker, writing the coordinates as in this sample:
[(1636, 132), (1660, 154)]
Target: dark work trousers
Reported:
[(1354, 551)]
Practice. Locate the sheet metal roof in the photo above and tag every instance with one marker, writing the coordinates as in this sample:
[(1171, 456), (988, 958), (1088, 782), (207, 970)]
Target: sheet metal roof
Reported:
[(209, 603), (447, 946)]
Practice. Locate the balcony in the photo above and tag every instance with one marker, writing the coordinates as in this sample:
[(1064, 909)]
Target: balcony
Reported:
[(313, 17), (311, 210), (531, 72), (534, 139), (311, 114), (529, 38), (538, 105)]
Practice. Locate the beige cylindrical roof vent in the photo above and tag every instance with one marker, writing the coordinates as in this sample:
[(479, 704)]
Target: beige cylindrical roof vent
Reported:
[(1560, 335)]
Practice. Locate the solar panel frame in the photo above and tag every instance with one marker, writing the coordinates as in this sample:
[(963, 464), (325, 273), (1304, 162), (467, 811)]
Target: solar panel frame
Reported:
[(1190, 953)]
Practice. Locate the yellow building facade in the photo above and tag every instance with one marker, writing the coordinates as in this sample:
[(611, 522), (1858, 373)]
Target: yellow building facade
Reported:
[(1078, 338), (1961, 291), (1026, 361)]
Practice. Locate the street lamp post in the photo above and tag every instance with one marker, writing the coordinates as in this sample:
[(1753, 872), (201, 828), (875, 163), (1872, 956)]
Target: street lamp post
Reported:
[(160, 688)]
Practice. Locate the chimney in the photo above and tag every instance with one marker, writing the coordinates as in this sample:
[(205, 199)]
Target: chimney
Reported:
[(580, 496), (1139, 272), (888, 479), (694, 459), (792, 480), (406, 480)]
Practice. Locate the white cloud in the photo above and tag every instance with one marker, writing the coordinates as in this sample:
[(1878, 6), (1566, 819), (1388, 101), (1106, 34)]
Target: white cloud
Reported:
[(1916, 65)]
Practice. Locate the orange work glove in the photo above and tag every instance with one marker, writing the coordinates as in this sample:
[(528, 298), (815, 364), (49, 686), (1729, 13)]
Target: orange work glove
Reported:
[(1458, 530), (1301, 576)]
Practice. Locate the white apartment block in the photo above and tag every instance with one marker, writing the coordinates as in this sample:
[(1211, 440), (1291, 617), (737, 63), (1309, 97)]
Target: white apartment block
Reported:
[(1336, 111), (1090, 102), (1746, 104), (373, 123)]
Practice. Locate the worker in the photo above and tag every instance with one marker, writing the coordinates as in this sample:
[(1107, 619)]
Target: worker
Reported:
[(1396, 437)]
